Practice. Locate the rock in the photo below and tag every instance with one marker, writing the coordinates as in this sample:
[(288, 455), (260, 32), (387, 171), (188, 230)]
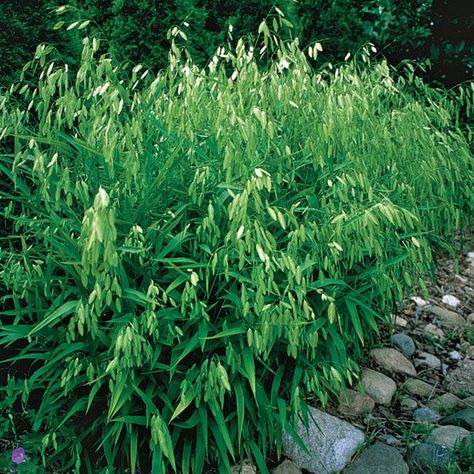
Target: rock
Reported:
[(470, 319), (245, 468), (445, 403), (461, 380), (468, 401), (464, 418), (470, 352), (286, 467), (355, 403), (426, 414), (378, 386), (393, 361), (419, 301), (425, 359), (404, 343), (470, 257), (379, 459), (434, 331), (418, 387), (408, 404), (455, 355), (428, 457), (448, 318), (451, 300), (331, 441), (444, 368), (401, 322), (448, 435), (392, 440)]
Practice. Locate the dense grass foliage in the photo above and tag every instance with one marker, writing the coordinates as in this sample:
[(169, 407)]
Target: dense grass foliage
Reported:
[(186, 257)]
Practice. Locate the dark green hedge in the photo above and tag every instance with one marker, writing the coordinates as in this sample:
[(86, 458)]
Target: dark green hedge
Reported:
[(25, 24), (135, 30)]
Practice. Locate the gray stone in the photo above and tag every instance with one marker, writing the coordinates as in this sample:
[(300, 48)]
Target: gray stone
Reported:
[(468, 402), (451, 300), (393, 361), (470, 319), (445, 403), (354, 403), (425, 359), (470, 352), (448, 318), (408, 404), (379, 459), (455, 355), (434, 331), (426, 414), (286, 467), (392, 440), (404, 343), (448, 435), (461, 380), (464, 418), (245, 468), (418, 387), (332, 443), (401, 322), (378, 386), (429, 456)]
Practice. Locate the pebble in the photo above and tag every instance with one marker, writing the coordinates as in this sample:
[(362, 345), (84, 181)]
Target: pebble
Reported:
[(470, 319), (463, 418), (455, 355), (418, 387), (393, 361), (392, 441), (448, 435), (419, 301), (286, 467), (354, 403), (468, 401), (434, 331), (445, 403), (404, 343), (401, 322), (425, 359), (245, 468), (470, 352), (378, 386), (426, 414), (429, 456), (381, 459), (448, 318), (451, 300), (461, 379), (408, 404)]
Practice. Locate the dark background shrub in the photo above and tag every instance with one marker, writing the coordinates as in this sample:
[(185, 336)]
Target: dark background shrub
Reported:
[(135, 30)]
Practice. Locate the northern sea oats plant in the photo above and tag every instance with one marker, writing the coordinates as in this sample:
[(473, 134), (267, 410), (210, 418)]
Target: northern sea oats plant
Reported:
[(186, 257)]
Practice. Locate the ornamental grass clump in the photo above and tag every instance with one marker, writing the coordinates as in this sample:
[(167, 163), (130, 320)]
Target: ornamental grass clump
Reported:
[(185, 258)]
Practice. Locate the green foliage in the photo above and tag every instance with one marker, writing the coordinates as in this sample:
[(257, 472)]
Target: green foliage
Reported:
[(188, 255), (25, 24), (135, 30)]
